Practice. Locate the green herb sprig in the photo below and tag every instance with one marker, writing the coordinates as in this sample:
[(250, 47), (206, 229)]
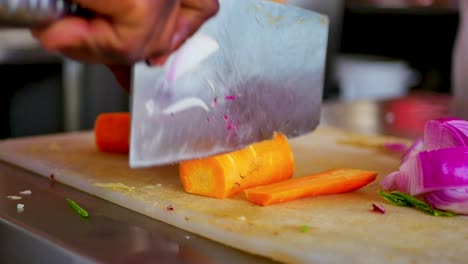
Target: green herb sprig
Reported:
[(402, 199), (82, 212)]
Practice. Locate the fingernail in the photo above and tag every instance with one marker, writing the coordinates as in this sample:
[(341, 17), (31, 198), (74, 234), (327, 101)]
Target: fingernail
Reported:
[(176, 39), (179, 37)]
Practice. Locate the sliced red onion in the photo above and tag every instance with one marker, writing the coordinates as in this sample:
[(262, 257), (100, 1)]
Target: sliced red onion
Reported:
[(452, 200), (430, 171), (395, 147), (378, 208), (436, 166), (445, 133), (413, 149), (404, 180)]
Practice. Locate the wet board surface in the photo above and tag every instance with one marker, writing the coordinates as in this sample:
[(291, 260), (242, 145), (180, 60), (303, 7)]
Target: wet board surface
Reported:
[(341, 228)]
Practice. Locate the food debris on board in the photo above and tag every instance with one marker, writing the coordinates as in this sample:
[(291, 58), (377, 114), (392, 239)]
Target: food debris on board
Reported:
[(389, 144), (115, 186), (26, 192), (159, 185), (242, 218), (52, 180), (77, 208), (170, 208), (20, 208), (395, 147), (378, 208), (304, 229)]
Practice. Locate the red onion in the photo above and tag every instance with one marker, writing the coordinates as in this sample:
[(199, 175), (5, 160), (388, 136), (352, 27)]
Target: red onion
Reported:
[(395, 147), (452, 200), (413, 150), (436, 168), (430, 171), (445, 133)]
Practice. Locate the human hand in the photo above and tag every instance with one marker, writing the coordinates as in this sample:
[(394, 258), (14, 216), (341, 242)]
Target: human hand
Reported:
[(126, 31)]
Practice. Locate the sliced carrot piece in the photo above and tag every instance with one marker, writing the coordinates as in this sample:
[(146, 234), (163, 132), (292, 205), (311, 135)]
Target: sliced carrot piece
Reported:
[(227, 174), (112, 132), (329, 182)]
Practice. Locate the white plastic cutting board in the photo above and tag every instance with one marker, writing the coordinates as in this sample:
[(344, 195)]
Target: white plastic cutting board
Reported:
[(342, 228)]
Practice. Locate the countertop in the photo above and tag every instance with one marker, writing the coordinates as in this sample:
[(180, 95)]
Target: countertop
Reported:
[(49, 235)]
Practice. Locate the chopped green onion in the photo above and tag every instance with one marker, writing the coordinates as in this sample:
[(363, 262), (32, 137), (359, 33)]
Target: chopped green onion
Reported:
[(82, 212), (402, 199), (304, 229)]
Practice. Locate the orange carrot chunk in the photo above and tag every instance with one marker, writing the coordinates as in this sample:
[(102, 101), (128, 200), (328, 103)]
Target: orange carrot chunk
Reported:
[(329, 182), (227, 174), (112, 132)]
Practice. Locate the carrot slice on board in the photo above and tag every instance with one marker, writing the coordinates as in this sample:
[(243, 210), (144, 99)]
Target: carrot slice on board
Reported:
[(227, 174), (329, 182), (112, 132)]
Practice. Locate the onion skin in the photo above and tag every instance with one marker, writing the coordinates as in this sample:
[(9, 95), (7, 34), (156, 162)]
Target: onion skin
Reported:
[(452, 200), (436, 166), (440, 176), (431, 171), (413, 149), (445, 133)]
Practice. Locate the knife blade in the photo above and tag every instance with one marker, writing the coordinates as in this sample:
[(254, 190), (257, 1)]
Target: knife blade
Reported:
[(254, 69)]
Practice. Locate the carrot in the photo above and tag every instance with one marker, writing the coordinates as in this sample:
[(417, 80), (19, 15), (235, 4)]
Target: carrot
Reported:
[(224, 175), (112, 132), (329, 182)]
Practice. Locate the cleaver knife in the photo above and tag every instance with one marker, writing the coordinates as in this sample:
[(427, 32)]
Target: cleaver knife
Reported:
[(254, 69)]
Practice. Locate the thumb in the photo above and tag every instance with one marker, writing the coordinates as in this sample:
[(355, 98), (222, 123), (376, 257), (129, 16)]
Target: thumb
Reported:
[(188, 22), (191, 18)]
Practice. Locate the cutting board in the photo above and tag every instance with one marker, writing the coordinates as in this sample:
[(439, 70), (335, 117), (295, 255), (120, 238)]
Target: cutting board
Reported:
[(342, 228)]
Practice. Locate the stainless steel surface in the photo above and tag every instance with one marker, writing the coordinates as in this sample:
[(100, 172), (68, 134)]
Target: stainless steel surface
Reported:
[(264, 74), (47, 231), (20, 13)]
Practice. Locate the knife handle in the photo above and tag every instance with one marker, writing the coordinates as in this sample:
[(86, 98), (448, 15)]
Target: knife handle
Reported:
[(31, 13)]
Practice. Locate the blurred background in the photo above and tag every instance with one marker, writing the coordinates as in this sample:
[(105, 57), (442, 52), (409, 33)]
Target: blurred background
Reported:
[(378, 49)]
